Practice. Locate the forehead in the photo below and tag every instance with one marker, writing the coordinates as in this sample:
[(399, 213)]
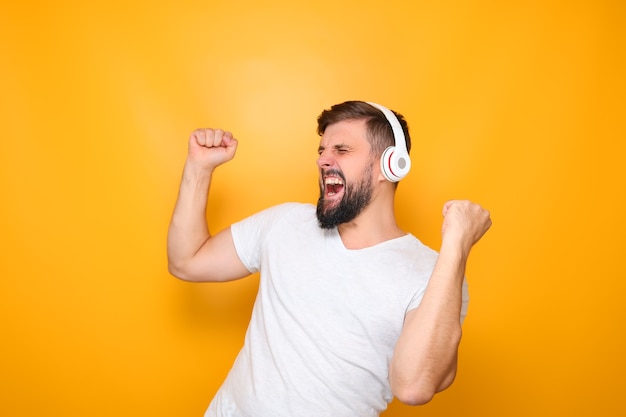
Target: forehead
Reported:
[(346, 132)]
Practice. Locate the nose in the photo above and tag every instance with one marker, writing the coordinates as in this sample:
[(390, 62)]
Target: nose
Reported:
[(325, 160)]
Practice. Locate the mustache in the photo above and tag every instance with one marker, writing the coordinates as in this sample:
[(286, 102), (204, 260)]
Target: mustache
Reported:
[(335, 173)]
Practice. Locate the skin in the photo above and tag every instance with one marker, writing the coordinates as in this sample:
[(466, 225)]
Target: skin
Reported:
[(425, 357), (344, 146), (344, 202)]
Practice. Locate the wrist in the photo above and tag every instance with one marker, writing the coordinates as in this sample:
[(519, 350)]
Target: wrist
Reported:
[(454, 248), (194, 173)]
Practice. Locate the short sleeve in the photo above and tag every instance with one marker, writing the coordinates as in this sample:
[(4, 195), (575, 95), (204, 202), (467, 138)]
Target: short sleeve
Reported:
[(250, 234)]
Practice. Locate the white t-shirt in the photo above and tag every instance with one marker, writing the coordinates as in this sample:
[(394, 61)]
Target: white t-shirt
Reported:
[(325, 320)]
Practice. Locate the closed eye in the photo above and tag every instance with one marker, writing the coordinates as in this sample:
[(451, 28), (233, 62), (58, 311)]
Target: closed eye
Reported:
[(341, 149)]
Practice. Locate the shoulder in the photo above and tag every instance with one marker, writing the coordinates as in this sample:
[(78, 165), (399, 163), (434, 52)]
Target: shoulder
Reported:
[(281, 213), (269, 227), (296, 208), (415, 250), (419, 246), (290, 210)]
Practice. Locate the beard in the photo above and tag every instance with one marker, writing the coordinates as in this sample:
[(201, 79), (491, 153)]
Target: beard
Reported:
[(354, 200)]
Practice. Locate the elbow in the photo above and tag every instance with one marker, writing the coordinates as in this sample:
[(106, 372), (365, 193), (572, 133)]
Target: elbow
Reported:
[(178, 271), (422, 392), (192, 272), (413, 396), (175, 272)]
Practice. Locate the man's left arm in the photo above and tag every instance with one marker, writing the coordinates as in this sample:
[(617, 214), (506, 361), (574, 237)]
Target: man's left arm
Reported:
[(425, 357)]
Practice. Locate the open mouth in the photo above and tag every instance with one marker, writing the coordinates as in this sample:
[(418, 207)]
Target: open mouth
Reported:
[(333, 186)]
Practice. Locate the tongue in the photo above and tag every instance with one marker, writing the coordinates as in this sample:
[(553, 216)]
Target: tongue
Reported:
[(334, 188)]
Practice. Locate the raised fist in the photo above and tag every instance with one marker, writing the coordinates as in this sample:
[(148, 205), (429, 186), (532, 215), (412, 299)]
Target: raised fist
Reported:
[(209, 148), (464, 223)]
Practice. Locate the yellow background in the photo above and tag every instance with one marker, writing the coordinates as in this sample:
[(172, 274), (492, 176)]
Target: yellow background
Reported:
[(517, 105)]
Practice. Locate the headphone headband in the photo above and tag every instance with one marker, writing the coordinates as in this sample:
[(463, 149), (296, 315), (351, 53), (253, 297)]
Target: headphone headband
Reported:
[(396, 127), (394, 162)]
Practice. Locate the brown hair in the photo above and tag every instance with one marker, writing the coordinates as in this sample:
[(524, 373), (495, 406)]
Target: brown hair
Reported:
[(379, 131)]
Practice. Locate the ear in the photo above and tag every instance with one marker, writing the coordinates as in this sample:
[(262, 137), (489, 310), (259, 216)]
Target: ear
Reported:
[(378, 172), (379, 175)]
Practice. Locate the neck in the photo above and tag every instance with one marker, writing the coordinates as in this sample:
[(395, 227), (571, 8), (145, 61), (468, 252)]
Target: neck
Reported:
[(374, 225)]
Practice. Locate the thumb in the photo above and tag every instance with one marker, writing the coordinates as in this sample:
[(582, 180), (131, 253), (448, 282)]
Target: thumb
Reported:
[(229, 142), (447, 206)]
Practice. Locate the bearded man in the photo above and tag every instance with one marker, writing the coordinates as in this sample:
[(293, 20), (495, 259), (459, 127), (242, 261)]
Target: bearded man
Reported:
[(351, 310)]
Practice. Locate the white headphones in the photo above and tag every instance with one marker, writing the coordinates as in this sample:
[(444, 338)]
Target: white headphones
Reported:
[(395, 162)]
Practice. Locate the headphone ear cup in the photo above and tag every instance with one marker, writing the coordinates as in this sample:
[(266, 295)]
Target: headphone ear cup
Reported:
[(394, 164), (386, 164)]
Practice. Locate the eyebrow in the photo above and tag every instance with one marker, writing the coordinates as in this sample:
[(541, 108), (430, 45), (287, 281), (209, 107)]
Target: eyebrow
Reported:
[(338, 146)]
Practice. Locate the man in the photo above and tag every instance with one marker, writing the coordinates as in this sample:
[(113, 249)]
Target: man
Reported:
[(351, 310)]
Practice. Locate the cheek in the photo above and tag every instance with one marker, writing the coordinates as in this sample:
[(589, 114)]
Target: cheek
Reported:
[(368, 170)]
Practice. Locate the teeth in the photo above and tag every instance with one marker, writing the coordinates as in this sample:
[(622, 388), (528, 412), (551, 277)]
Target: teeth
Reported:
[(332, 181)]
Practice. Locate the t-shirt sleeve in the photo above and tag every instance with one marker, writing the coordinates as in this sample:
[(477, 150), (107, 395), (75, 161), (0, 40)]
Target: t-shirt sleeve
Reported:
[(250, 234)]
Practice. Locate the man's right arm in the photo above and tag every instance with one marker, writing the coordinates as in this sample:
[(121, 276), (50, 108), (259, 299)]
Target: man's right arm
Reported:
[(193, 253)]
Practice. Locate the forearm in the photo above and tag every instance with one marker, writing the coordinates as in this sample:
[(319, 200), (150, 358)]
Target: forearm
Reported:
[(188, 228), (425, 357)]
